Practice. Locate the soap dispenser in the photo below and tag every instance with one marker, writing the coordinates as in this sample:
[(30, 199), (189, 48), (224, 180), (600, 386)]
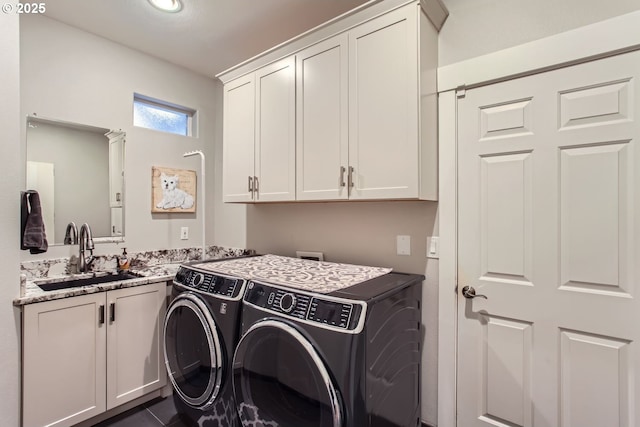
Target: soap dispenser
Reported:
[(123, 261)]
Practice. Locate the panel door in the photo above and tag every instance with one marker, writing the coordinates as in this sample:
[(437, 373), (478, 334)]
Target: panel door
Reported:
[(116, 168), (383, 106), (63, 361), (135, 359), (322, 121), (238, 139), (549, 232), (275, 132)]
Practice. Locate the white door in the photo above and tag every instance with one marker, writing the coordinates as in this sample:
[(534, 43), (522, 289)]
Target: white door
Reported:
[(383, 106), (63, 361), (238, 139), (135, 361), (549, 231), (41, 177), (322, 143), (276, 132)]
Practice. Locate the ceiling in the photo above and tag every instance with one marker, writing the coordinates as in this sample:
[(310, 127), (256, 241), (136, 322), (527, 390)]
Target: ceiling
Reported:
[(207, 36)]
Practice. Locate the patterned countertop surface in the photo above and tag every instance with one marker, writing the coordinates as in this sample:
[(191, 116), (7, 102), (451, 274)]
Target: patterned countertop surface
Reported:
[(34, 294), (314, 276)]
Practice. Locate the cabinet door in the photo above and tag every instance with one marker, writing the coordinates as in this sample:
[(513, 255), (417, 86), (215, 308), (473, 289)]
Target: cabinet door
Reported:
[(63, 361), (322, 120), (135, 361), (116, 168), (383, 106), (239, 139), (275, 131)]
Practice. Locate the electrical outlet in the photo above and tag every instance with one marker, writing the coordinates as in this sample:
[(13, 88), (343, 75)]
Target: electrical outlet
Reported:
[(184, 233)]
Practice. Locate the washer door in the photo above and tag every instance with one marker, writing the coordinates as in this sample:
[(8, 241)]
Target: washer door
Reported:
[(279, 379), (192, 351)]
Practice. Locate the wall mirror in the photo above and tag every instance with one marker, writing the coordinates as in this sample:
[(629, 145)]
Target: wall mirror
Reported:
[(78, 170)]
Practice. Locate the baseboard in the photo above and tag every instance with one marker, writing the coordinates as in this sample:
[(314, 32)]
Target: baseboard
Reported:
[(426, 425)]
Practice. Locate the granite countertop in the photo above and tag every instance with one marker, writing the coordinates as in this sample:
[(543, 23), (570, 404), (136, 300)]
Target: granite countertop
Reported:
[(146, 275)]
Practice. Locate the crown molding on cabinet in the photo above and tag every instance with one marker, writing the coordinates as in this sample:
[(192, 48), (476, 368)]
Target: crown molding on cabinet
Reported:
[(434, 9)]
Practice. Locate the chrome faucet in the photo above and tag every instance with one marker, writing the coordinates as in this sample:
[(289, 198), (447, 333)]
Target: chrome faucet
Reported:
[(86, 244), (71, 234)]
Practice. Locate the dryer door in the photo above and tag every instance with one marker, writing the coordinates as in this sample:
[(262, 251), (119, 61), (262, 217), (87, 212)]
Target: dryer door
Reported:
[(280, 380), (192, 351)]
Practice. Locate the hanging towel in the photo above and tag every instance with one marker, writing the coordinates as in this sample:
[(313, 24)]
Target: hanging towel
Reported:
[(32, 232)]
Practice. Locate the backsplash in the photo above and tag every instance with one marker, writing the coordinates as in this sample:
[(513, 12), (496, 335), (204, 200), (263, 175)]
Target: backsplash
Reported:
[(64, 266)]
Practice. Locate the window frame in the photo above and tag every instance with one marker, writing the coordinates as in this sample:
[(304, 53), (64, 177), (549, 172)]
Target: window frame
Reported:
[(190, 113)]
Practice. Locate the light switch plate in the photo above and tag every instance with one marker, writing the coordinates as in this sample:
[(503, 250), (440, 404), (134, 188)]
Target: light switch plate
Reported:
[(433, 247), (184, 233), (403, 245)]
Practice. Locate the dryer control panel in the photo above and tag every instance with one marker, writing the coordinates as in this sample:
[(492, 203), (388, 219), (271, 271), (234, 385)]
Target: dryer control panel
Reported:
[(319, 310), (209, 283)]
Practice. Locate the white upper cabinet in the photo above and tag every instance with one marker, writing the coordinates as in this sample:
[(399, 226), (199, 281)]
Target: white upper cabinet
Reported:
[(383, 102), (322, 120), (259, 135), (239, 139), (356, 120), (275, 157)]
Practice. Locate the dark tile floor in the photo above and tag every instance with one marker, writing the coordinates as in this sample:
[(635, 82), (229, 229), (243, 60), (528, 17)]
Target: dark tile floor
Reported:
[(155, 413)]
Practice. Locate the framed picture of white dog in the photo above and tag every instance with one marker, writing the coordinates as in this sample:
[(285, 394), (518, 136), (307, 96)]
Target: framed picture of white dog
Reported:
[(172, 190)]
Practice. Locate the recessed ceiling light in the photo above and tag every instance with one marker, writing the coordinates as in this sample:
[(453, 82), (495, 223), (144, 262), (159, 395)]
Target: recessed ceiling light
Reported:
[(167, 5)]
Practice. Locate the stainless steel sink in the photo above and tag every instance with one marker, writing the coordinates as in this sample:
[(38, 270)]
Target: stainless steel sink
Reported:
[(86, 281)]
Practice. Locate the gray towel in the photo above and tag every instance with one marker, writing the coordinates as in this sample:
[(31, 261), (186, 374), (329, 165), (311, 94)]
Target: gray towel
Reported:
[(32, 233)]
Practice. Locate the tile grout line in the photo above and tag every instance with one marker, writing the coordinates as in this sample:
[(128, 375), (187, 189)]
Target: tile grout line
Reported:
[(154, 416)]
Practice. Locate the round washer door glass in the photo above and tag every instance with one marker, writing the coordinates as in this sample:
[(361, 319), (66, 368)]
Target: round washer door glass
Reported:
[(279, 380), (192, 351)]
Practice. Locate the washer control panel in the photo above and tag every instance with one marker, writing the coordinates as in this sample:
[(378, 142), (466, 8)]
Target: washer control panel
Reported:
[(209, 283), (320, 310)]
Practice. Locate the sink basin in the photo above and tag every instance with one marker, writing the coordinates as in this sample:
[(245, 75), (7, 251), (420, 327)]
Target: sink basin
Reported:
[(87, 281)]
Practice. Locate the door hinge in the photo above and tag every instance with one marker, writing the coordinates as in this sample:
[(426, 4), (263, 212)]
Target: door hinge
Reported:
[(461, 91)]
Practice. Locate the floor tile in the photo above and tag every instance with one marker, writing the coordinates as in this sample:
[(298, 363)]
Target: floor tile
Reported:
[(178, 423), (137, 417), (164, 410)]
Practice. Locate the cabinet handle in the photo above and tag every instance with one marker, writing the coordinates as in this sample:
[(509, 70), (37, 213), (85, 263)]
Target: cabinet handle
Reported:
[(101, 314), (118, 197), (112, 312), (256, 186), (250, 184), (350, 176), (342, 171)]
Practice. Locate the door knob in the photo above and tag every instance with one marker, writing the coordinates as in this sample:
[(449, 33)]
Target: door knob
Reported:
[(470, 292)]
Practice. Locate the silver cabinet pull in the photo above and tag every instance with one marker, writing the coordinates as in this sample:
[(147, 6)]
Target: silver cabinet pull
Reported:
[(470, 293), (101, 314), (256, 186), (250, 184), (350, 176), (342, 171)]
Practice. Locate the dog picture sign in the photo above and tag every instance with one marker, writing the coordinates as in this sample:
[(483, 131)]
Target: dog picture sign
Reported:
[(172, 190)]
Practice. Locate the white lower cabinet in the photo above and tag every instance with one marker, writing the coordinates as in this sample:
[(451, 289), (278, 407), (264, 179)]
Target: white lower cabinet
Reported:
[(87, 354)]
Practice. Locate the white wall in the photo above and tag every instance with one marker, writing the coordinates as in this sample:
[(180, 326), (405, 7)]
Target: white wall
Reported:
[(10, 153), (478, 27), (71, 75)]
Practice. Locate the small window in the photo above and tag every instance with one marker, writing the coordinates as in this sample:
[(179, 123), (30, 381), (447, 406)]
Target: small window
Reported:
[(159, 115)]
